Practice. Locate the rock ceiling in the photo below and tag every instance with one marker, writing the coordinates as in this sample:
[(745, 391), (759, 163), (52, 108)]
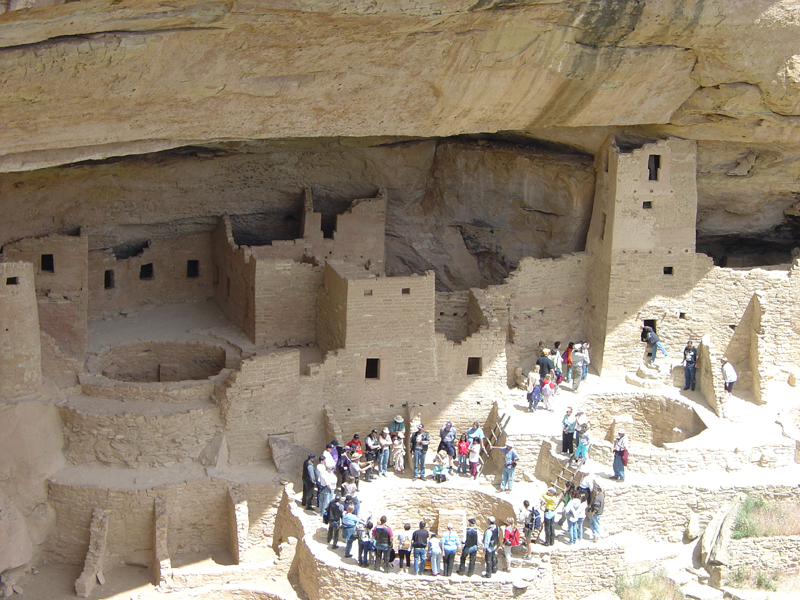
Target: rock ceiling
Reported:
[(102, 79)]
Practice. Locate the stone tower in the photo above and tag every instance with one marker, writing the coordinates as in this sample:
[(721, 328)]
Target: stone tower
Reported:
[(642, 238), (20, 348)]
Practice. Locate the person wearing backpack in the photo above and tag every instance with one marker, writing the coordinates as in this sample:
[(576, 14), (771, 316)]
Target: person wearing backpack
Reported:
[(650, 337), (491, 538), (469, 548), (365, 541), (404, 547), (535, 393)]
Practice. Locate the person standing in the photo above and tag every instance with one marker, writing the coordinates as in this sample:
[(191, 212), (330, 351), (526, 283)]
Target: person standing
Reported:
[(420, 441), (474, 457), (435, 554), (475, 433), (510, 539), (545, 365), (335, 513), (397, 425), (534, 393), (328, 485), (550, 504), (690, 357), (558, 364), (567, 358), (578, 361), (450, 548), (620, 455), (469, 548), (532, 521), (448, 437), (372, 447), (365, 541), (463, 454), (596, 511), (404, 547), (729, 376), (398, 452), (383, 541), (510, 460), (419, 543), (567, 432), (309, 482), (576, 513), (349, 522), (385, 443), (491, 538), (586, 361)]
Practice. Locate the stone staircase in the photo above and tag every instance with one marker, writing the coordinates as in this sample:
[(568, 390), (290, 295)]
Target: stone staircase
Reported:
[(651, 376)]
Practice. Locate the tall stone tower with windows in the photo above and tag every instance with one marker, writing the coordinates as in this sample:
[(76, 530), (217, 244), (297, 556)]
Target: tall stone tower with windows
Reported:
[(20, 348)]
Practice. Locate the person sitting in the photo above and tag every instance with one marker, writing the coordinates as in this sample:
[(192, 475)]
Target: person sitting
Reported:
[(440, 462)]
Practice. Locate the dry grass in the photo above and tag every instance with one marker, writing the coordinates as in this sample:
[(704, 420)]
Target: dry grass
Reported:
[(743, 579), (650, 586), (757, 518)]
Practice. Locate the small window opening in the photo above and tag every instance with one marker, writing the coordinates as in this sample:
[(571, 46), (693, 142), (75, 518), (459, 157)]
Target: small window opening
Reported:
[(603, 227), (368, 292), (653, 166), (647, 204), (193, 268), (733, 327), (650, 323), (667, 270), (373, 370), (146, 271), (681, 315), (216, 274), (474, 365), (228, 287), (406, 291), (12, 281), (108, 279), (48, 265)]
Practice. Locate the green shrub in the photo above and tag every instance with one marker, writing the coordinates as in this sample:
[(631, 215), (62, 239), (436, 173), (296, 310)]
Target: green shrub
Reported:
[(650, 586), (757, 518)]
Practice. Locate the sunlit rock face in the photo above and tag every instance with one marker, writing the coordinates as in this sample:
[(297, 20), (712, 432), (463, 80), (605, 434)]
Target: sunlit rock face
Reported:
[(97, 80)]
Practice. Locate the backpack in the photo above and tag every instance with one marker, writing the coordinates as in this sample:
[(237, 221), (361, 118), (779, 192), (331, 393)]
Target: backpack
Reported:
[(652, 338), (495, 536)]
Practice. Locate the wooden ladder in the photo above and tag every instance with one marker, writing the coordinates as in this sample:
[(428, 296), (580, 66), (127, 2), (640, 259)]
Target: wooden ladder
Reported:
[(567, 474), (494, 435)]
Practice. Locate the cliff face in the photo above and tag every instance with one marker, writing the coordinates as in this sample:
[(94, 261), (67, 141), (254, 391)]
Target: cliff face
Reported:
[(99, 79)]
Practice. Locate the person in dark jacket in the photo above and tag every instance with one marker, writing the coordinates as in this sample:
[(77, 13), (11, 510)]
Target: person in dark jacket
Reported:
[(309, 482), (335, 512), (650, 337), (596, 510), (469, 549)]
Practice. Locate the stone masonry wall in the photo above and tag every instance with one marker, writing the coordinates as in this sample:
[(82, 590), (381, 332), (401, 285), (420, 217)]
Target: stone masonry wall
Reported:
[(451, 314), (779, 554), (63, 292), (170, 283), (233, 278), (138, 440), (20, 347), (579, 574)]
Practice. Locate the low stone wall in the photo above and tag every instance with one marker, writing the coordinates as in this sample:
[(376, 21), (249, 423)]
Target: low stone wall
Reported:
[(181, 391), (135, 440), (766, 555), (676, 460), (159, 361), (577, 574)]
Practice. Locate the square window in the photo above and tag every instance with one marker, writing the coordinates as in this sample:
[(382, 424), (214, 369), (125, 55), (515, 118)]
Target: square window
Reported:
[(146, 271), (474, 365), (193, 268), (667, 270), (12, 281), (650, 323), (368, 292), (108, 280), (48, 265), (647, 204), (373, 370), (406, 291), (681, 315)]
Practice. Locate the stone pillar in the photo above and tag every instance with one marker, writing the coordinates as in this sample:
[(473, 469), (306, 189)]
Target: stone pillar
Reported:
[(20, 348)]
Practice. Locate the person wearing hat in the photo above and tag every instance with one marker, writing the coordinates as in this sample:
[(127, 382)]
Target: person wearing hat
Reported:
[(450, 548), (510, 459), (355, 444), (420, 440), (397, 424), (729, 376), (385, 441), (309, 482), (620, 455), (491, 539), (469, 548), (448, 437)]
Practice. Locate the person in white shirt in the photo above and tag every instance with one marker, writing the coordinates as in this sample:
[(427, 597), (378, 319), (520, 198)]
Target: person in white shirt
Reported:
[(729, 376), (576, 512)]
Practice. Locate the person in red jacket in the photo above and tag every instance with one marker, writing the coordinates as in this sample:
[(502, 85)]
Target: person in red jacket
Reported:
[(510, 539)]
